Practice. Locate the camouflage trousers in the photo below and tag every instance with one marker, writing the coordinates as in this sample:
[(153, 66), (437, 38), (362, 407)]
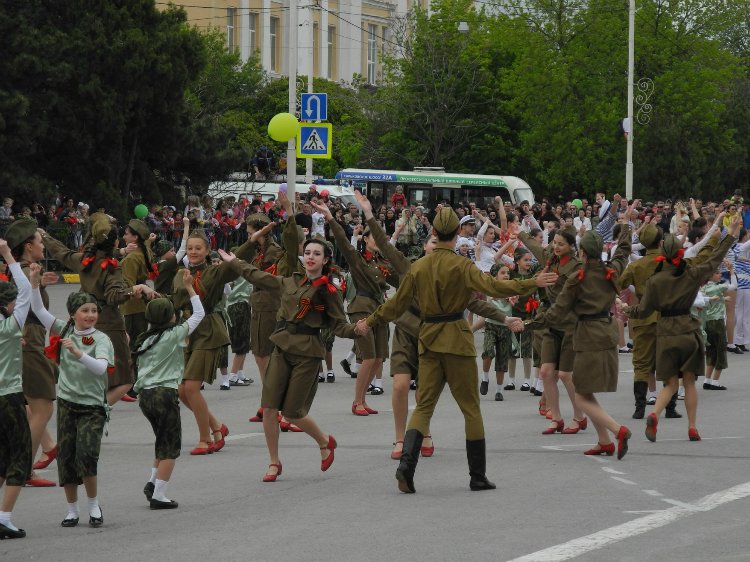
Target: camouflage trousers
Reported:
[(79, 439), (161, 407), (15, 440), (497, 344)]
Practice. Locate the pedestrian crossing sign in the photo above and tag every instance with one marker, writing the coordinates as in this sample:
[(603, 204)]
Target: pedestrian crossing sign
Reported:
[(315, 140)]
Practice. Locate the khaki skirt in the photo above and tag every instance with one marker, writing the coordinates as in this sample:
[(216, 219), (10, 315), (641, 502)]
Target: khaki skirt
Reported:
[(201, 365), (122, 373), (38, 372)]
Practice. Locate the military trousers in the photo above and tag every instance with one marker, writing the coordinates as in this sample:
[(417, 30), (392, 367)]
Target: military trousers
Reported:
[(644, 351), (460, 373)]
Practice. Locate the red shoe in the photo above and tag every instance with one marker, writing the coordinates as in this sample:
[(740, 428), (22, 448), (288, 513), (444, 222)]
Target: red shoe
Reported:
[(428, 451), (583, 424), (126, 398), (369, 410), (359, 410), (608, 449), (51, 455), (202, 450), (572, 430), (651, 422), (558, 427), (258, 417), (396, 455), (326, 463), (267, 477), (693, 434), (548, 414), (287, 426), (42, 483), (224, 430), (622, 442)]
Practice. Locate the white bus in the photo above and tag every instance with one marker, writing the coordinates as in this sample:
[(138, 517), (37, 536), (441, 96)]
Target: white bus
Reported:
[(429, 186), (236, 185)]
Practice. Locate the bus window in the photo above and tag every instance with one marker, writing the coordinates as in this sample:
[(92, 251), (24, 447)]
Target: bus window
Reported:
[(418, 195), (376, 192), (440, 194), (484, 196)]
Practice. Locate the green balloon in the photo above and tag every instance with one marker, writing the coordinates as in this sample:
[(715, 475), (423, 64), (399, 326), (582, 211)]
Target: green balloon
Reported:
[(578, 203), (140, 211), (283, 127)]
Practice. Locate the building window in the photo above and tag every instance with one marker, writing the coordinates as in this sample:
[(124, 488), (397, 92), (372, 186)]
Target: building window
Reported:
[(274, 33), (331, 52), (372, 53), (231, 15), (253, 42)]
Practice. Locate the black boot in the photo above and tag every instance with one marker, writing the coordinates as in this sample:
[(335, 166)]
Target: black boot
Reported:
[(475, 453), (409, 457), (640, 390), (671, 409)]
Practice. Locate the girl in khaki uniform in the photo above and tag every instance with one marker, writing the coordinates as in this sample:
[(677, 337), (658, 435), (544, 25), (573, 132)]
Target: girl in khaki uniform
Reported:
[(101, 276), (557, 342), (136, 267), (37, 372), (589, 295), (680, 350), (308, 303), (205, 343), (371, 275)]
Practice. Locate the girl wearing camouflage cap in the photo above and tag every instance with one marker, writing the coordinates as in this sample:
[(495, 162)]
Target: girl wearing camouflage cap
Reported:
[(15, 436), (86, 357), (101, 276)]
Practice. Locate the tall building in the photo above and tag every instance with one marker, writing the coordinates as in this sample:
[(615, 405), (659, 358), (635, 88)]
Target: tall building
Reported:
[(336, 39)]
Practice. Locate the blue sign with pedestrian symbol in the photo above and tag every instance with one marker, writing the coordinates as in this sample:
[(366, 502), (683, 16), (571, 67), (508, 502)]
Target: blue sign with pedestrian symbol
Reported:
[(314, 107), (315, 141)]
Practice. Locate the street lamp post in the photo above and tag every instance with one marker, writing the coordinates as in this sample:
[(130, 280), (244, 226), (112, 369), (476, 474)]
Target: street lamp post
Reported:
[(291, 148), (631, 79)]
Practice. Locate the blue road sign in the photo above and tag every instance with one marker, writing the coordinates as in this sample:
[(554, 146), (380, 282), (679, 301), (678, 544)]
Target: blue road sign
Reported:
[(314, 107), (315, 141)]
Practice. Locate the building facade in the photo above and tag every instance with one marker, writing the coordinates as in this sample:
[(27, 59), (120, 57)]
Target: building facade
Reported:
[(336, 39)]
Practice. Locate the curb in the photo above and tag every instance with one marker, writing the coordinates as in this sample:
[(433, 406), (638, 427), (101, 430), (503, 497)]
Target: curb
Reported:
[(69, 278)]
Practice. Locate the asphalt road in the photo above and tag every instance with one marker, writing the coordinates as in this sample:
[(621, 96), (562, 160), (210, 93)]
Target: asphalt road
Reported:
[(667, 500)]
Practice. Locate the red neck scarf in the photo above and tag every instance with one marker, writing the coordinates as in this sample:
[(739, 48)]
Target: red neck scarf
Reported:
[(323, 280), (154, 272), (85, 262), (675, 260), (531, 305), (109, 263)]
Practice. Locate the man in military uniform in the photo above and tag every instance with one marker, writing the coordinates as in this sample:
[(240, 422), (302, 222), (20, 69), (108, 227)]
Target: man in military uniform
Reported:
[(442, 283)]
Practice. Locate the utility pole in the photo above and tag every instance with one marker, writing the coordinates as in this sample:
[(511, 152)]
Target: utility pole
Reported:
[(291, 149), (631, 80), (310, 72)]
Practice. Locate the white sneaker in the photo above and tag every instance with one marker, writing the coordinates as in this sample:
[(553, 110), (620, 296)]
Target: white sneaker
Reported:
[(681, 393)]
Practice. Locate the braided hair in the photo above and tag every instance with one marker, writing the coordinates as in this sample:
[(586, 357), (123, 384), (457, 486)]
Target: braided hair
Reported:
[(107, 246)]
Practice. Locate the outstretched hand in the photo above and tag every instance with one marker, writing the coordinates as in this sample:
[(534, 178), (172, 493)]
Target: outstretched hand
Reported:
[(361, 328), (226, 256), (545, 278), (262, 232), (326, 212)]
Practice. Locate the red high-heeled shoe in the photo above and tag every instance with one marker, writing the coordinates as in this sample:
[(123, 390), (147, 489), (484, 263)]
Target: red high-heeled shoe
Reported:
[(224, 430), (51, 455), (558, 427), (288, 426), (359, 410), (202, 450), (217, 445), (267, 477), (651, 422), (572, 430), (583, 424), (258, 417), (396, 455), (622, 442), (369, 410), (693, 434), (428, 451), (604, 449), (326, 463)]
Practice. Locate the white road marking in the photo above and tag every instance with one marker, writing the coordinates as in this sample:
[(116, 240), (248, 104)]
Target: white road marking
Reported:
[(653, 493), (678, 503), (645, 511), (624, 481), (612, 470), (639, 526), (705, 438)]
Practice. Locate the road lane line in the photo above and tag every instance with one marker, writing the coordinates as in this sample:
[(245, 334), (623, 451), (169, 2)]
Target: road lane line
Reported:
[(639, 526), (624, 481), (612, 470), (241, 436)]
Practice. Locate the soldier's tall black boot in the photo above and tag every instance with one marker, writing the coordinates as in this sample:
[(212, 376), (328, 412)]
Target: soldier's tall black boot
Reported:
[(640, 390), (477, 457), (409, 457), (671, 409)]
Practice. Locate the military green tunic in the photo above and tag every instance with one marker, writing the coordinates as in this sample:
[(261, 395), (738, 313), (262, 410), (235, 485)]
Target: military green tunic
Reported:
[(557, 341), (371, 275), (679, 343), (442, 283), (205, 343), (167, 271), (590, 295), (292, 375), (263, 303), (107, 285)]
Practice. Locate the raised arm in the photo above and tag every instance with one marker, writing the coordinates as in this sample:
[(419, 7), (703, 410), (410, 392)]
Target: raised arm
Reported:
[(60, 252), (534, 247), (339, 235), (37, 305), (23, 299), (254, 275), (198, 311), (183, 243)]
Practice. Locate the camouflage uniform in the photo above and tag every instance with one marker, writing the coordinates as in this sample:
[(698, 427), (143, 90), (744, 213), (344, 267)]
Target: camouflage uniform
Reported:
[(161, 407), (79, 439), (15, 440)]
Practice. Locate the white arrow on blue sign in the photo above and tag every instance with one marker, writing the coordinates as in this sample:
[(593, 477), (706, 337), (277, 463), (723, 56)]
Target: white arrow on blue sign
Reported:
[(314, 107)]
